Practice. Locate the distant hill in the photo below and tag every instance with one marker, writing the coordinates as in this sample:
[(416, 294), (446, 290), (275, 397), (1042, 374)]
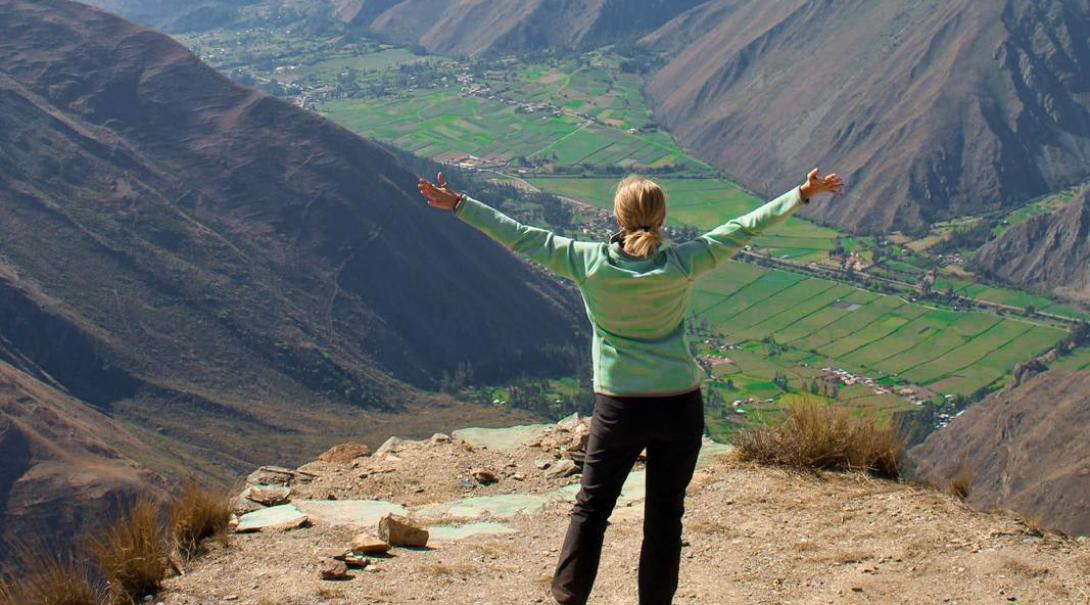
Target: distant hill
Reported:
[(1049, 253), (473, 27), (1024, 449), (930, 109), (241, 278)]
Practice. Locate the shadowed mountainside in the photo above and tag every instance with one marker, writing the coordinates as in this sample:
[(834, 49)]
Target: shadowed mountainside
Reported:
[(240, 278), (1049, 253), (59, 454), (930, 109), (1024, 449)]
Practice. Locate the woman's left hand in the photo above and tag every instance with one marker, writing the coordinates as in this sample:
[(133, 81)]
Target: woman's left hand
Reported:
[(439, 196)]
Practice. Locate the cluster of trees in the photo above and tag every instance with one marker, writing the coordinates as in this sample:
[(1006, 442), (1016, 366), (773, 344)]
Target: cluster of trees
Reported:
[(824, 388)]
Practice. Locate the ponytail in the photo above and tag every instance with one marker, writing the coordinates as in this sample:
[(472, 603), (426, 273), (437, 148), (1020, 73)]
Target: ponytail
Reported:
[(640, 206)]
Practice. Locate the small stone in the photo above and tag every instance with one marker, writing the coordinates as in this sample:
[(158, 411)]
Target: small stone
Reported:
[(563, 468), (241, 504), (345, 453), (389, 446), (569, 423), (271, 475), (400, 531), (518, 477), (332, 569), (369, 544), (231, 597), (270, 495), (440, 438), (484, 476), (542, 464)]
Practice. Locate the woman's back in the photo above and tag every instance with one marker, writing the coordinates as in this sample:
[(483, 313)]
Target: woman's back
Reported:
[(637, 306)]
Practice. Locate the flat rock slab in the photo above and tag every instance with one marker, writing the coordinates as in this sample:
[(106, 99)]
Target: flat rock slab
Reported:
[(275, 517), (504, 506), (469, 530), (353, 513), (501, 439), (710, 450)]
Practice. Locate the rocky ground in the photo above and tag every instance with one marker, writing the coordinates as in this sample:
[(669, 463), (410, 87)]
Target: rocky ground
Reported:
[(753, 535)]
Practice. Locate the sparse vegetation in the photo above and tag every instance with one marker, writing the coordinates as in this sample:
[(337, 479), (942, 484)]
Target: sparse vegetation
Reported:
[(132, 553), (48, 578), (196, 513), (961, 484), (825, 437)]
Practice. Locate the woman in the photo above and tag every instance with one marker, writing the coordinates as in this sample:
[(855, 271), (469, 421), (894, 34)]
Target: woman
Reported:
[(647, 385)]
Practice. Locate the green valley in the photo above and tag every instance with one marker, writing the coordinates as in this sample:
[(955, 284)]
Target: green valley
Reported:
[(877, 323)]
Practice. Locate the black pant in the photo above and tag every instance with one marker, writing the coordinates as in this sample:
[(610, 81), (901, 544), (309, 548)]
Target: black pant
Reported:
[(671, 429)]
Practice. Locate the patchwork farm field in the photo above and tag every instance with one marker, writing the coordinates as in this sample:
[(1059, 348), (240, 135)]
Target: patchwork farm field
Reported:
[(443, 121), (705, 203), (825, 324)]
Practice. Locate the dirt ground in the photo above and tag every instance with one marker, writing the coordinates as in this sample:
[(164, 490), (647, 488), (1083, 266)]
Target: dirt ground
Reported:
[(753, 535)]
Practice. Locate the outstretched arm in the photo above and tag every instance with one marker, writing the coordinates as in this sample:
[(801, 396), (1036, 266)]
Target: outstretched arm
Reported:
[(561, 255), (705, 252)]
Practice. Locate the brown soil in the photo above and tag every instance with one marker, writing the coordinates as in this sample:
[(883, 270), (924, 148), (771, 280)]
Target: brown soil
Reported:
[(753, 535)]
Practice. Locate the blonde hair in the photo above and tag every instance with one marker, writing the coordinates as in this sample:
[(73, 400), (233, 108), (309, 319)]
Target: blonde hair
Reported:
[(640, 206)]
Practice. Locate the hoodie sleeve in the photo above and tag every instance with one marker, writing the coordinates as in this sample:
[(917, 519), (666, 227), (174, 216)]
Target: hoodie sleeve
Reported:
[(561, 255), (706, 252)]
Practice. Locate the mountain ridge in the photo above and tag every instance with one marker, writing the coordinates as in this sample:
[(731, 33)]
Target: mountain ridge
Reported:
[(1021, 449), (234, 278), (1049, 253)]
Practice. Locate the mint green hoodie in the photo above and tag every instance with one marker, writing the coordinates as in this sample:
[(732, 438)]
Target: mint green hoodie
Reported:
[(637, 306)]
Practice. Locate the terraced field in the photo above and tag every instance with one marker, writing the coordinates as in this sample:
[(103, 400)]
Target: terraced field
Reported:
[(826, 324)]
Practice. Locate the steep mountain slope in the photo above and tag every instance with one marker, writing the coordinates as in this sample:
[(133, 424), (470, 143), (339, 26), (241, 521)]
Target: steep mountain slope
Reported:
[(246, 276), (931, 109), (1049, 253), (61, 455), (474, 27), (1024, 449)]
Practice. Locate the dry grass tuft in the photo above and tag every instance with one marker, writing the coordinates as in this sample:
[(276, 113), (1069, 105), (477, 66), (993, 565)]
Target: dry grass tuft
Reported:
[(195, 514), (132, 553), (961, 484), (1034, 525), (329, 594), (47, 578), (825, 437)]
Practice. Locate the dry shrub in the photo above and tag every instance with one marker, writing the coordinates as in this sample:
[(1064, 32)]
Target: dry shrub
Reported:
[(961, 484), (1034, 525), (47, 578), (825, 437), (196, 513), (132, 553)]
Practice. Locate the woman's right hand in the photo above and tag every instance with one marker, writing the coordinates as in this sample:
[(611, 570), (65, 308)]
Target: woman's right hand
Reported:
[(816, 185), (439, 196)]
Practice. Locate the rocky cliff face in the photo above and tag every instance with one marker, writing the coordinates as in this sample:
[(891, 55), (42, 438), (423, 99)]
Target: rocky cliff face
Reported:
[(1049, 254), (930, 109), (1023, 449)]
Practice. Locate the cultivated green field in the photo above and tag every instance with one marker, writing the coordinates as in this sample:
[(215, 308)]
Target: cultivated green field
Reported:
[(834, 325), (443, 121), (705, 203)]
